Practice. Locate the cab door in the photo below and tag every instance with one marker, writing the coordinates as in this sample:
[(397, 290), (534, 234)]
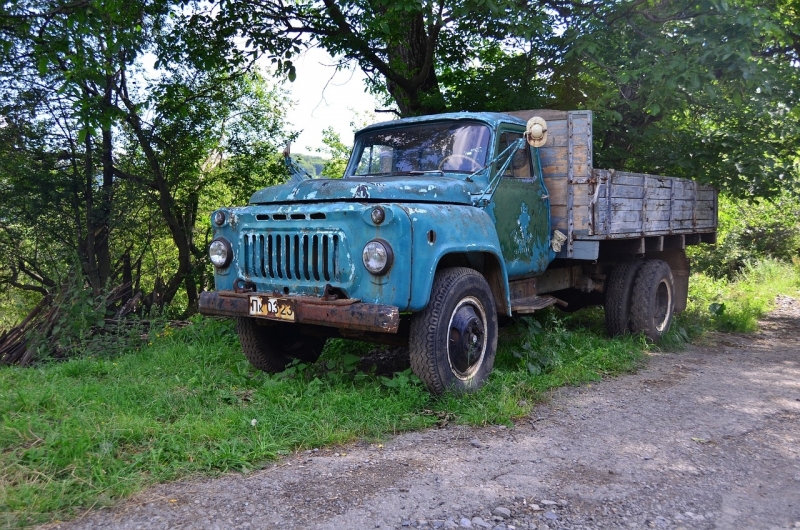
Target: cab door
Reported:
[(521, 209)]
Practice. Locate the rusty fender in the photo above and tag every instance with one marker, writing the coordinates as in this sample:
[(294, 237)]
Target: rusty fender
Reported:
[(344, 314)]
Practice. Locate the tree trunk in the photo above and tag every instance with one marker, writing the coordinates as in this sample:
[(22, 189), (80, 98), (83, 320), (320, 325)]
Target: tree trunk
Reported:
[(89, 258), (412, 58), (103, 214)]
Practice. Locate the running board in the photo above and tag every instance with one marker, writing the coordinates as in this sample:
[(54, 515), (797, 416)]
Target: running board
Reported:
[(525, 306)]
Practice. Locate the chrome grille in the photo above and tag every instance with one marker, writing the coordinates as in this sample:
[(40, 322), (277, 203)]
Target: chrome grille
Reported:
[(292, 256)]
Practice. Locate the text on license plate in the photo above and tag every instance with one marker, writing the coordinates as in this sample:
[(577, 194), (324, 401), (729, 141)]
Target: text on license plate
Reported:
[(278, 308)]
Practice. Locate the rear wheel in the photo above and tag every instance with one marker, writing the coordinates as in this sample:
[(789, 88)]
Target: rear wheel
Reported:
[(618, 296), (271, 347), (453, 341), (653, 300)]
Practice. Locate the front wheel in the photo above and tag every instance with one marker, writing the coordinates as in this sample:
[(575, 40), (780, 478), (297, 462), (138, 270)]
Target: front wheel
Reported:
[(653, 300), (453, 341), (271, 347)]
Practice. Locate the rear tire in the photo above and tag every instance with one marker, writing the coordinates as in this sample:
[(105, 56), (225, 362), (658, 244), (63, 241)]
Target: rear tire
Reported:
[(653, 300), (270, 348), (618, 296), (453, 341)]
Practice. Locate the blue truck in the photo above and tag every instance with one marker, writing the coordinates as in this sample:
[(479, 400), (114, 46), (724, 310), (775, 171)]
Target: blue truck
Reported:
[(444, 226)]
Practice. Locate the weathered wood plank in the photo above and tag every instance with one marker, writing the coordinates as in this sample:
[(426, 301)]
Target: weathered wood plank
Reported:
[(580, 196), (657, 215), (560, 170), (558, 156), (685, 190), (656, 226), (627, 192), (558, 218), (626, 227), (547, 114), (626, 179), (627, 204), (623, 205), (556, 189), (659, 193), (627, 217)]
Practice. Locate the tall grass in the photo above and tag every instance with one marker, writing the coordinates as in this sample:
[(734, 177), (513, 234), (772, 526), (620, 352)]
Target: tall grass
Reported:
[(88, 432), (736, 305)]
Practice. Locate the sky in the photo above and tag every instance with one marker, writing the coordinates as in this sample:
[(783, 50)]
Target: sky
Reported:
[(326, 98)]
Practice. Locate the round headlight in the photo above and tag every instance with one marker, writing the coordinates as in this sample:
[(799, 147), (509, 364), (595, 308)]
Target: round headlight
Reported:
[(377, 256), (219, 218), (220, 252)]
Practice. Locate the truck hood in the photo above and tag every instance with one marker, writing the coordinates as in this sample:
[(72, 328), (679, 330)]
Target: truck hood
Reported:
[(422, 188)]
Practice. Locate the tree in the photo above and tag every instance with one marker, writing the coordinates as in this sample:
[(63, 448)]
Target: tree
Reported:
[(401, 45), (698, 89), (338, 154), (677, 87), (112, 157)]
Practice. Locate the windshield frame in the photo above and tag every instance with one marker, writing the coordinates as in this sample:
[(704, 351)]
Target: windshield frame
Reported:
[(476, 137)]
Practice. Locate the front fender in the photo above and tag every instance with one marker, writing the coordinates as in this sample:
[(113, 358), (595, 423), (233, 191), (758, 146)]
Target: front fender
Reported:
[(439, 230)]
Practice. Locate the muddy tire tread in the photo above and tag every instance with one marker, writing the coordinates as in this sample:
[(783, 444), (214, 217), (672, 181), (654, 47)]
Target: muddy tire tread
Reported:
[(643, 298), (423, 337), (262, 346), (618, 296)]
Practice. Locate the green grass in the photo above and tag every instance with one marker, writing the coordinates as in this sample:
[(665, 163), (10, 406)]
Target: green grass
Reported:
[(736, 306), (88, 432)]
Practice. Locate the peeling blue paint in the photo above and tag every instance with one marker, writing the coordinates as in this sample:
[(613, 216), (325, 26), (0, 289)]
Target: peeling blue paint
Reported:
[(521, 237), (451, 189)]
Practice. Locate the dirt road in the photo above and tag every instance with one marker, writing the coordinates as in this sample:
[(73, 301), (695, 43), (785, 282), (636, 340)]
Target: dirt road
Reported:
[(706, 438)]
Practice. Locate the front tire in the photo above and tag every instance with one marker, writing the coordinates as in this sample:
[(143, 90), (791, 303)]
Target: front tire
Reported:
[(270, 348), (653, 300), (453, 341)]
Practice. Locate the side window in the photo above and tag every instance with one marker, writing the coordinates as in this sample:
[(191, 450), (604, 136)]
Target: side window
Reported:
[(375, 159), (520, 166)]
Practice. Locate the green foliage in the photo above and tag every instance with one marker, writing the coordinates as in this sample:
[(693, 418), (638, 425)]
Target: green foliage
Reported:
[(737, 304), (312, 164), (680, 87), (117, 163), (337, 152), (749, 232)]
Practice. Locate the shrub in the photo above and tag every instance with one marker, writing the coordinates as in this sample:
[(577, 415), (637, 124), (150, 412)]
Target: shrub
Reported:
[(749, 232)]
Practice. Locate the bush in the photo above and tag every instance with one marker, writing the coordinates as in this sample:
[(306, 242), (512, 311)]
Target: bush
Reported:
[(749, 232), (76, 323)]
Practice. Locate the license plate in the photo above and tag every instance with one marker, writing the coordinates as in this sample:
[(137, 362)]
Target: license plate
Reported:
[(275, 308)]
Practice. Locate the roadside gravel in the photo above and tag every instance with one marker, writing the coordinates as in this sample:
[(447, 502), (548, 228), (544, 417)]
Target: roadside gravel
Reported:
[(705, 438)]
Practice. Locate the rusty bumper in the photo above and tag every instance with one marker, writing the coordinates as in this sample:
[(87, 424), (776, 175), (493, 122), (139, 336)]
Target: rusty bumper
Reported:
[(344, 314)]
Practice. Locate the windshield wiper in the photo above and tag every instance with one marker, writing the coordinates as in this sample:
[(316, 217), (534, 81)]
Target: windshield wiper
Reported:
[(428, 172)]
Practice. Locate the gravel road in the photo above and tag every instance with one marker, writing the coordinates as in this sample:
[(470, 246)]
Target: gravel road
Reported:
[(705, 438)]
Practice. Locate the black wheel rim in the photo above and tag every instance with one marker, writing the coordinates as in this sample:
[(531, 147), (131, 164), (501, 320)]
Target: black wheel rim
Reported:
[(663, 304), (466, 344)]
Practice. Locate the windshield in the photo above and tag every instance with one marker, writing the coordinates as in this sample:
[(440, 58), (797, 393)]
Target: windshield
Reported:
[(421, 148)]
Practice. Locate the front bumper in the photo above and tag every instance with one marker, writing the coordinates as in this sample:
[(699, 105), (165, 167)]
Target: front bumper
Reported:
[(342, 314)]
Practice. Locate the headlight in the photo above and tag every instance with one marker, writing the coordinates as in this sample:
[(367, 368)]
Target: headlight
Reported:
[(378, 256), (218, 218), (220, 253)]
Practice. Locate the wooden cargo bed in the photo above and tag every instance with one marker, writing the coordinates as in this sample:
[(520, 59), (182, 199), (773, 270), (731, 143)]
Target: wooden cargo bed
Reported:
[(590, 205), (636, 204)]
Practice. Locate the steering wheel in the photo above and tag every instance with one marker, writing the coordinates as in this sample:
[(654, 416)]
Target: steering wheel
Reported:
[(475, 166)]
